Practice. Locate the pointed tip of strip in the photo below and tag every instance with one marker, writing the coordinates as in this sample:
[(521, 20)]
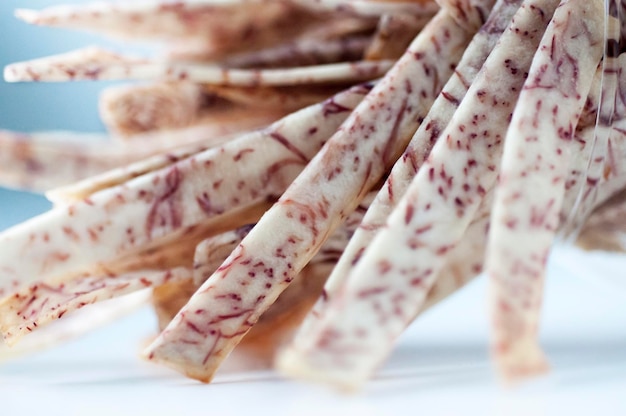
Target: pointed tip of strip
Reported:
[(27, 15), (11, 73)]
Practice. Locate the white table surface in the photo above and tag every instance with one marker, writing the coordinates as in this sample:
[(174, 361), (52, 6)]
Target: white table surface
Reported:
[(440, 367)]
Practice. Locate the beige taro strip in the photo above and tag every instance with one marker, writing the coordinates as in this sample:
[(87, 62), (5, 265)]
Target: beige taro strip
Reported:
[(322, 28), (389, 284), (370, 7), (292, 231), (42, 303), (393, 35), (45, 160), (133, 109), (163, 19), (167, 203), (75, 325), (211, 252), (599, 168), (531, 186), (301, 52), (465, 261), (274, 98), (416, 152), (24, 311), (98, 64), (604, 230), (82, 189), (41, 161)]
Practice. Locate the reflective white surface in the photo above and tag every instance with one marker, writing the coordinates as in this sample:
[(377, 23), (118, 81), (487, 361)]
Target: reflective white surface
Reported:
[(440, 367)]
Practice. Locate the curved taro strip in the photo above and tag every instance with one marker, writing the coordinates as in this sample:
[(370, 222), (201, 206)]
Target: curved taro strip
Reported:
[(524, 224), (98, 64), (350, 163), (389, 284), (43, 161), (134, 109), (416, 152), (165, 204), (205, 19), (75, 325)]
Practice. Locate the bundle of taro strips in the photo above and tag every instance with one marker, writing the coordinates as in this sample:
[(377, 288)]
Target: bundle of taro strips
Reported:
[(303, 178)]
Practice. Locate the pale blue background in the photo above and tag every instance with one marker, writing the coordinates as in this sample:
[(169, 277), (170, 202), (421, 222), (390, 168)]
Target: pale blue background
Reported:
[(31, 107)]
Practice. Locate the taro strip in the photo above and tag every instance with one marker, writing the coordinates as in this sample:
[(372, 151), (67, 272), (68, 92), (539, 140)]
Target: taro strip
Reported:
[(134, 112), (393, 35), (134, 109), (275, 327), (45, 301), (75, 325), (31, 308), (601, 231), (163, 20), (389, 284), (599, 168), (98, 64), (212, 252), (80, 190), (42, 303), (300, 53), (416, 152), (169, 202), (275, 98), (325, 29), (524, 223), (604, 229), (42, 161), (293, 230), (370, 7)]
